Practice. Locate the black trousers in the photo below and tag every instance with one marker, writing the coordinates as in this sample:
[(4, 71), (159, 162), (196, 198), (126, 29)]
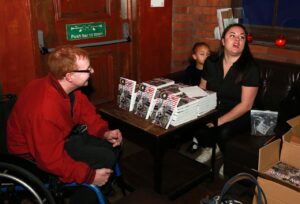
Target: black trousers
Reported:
[(207, 137), (97, 153)]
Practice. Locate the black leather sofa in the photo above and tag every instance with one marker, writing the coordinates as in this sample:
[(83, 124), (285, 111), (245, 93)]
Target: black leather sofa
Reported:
[(280, 91)]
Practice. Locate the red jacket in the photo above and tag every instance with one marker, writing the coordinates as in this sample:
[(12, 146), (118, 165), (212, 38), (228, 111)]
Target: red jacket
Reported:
[(40, 123)]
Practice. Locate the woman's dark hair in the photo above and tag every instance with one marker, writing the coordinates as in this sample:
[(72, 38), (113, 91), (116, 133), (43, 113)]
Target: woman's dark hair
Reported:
[(246, 57)]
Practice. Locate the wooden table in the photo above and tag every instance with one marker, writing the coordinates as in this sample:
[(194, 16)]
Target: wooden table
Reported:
[(156, 139)]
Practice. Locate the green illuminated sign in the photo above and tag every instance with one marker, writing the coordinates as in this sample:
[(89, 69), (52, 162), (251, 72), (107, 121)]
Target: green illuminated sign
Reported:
[(85, 30)]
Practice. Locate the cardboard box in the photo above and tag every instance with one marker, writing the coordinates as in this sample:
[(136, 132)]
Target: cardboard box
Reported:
[(286, 151)]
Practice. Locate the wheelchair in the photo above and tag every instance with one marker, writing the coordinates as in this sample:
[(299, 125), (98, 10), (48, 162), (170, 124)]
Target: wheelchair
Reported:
[(21, 179)]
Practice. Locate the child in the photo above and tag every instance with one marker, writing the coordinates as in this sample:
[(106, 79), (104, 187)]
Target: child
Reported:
[(193, 75), (193, 72)]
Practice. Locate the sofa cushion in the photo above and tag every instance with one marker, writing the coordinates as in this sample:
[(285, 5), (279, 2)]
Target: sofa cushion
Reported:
[(289, 108), (278, 78)]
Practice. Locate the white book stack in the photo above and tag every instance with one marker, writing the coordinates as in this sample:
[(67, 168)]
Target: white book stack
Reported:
[(207, 99), (189, 108), (186, 110), (126, 93), (207, 103)]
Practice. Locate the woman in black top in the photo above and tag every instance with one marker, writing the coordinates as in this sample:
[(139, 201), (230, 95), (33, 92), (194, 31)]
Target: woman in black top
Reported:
[(234, 75)]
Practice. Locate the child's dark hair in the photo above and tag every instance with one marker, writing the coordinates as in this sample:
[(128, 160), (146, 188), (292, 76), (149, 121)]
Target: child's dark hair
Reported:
[(199, 44), (195, 46)]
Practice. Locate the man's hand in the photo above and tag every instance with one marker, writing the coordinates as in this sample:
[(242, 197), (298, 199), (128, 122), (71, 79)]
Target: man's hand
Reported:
[(102, 176), (114, 137)]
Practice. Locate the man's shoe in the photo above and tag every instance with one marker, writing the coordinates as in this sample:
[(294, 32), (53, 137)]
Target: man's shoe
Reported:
[(205, 155)]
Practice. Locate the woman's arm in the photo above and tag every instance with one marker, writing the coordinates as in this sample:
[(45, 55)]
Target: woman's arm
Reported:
[(247, 100)]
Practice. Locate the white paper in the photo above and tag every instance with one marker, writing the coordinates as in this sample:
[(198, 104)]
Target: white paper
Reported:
[(217, 33), (228, 21), (193, 91), (220, 18), (157, 3)]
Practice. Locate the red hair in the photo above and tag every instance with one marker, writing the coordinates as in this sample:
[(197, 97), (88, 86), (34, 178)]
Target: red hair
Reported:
[(63, 60)]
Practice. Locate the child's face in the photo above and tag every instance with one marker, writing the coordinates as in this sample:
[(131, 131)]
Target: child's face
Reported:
[(201, 54)]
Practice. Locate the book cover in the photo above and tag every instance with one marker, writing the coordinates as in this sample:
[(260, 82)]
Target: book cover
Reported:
[(171, 89), (164, 109), (263, 122), (159, 82), (126, 93), (285, 173), (144, 100), (193, 91), (186, 102)]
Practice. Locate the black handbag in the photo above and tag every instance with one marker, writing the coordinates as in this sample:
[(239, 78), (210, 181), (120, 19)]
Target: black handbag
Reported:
[(223, 199)]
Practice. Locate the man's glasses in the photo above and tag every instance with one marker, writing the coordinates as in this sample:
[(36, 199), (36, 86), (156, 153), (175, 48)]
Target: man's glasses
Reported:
[(88, 70)]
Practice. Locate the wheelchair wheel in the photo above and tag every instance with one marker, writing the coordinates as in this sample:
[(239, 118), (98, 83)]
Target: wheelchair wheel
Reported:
[(16, 182)]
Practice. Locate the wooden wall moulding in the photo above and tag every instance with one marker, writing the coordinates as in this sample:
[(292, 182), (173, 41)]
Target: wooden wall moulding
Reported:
[(65, 9)]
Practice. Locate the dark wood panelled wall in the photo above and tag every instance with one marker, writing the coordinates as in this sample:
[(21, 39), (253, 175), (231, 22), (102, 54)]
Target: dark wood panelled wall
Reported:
[(17, 49), (147, 55)]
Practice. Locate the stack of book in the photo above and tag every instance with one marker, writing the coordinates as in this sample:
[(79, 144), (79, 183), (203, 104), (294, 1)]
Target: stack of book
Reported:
[(186, 110), (145, 96), (126, 93), (207, 103), (189, 108), (166, 101)]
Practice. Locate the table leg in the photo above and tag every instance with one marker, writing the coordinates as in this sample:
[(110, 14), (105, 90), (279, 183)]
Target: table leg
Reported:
[(158, 155)]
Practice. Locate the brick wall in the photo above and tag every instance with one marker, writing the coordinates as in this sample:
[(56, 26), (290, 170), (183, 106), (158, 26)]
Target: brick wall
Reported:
[(195, 20)]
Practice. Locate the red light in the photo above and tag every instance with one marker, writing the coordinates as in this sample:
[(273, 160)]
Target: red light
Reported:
[(280, 41), (249, 37)]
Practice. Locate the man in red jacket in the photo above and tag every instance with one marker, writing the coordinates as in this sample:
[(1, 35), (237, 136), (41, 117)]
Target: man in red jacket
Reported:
[(49, 108)]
